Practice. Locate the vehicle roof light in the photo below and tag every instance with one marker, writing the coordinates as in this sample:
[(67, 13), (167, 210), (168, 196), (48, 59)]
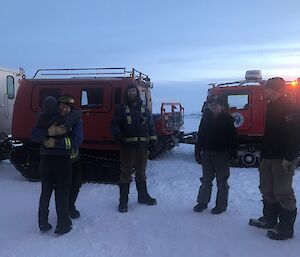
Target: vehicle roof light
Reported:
[(294, 83)]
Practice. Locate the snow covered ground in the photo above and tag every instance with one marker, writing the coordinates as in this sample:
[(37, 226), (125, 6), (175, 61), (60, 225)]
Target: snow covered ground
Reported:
[(169, 229)]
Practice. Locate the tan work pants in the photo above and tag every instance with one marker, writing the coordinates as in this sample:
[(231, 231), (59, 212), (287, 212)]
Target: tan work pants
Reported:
[(276, 184), (133, 159)]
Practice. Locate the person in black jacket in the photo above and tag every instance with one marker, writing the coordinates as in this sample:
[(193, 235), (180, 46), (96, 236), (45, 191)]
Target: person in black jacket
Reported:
[(217, 139), (280, 154), (59, 130), (133, 127)]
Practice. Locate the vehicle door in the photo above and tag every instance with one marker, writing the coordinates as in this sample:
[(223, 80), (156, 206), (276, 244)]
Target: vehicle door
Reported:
[(7, 98), (96, 104), (240, 108)]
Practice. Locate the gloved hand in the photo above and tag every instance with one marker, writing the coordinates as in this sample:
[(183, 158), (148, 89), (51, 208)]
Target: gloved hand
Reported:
[(290, 166), (55, 130), (49, 143)]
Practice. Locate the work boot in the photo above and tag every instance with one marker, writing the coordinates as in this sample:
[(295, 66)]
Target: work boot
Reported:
[(260, 223), (218, 210), (269, 220), (124, 191), (73, 213), (285, 228), (200, 207), (63, 226), (143, 196), (63, 230), (44, 225)]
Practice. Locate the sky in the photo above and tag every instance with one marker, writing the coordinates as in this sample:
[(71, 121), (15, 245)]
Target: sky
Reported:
[(170, 40)]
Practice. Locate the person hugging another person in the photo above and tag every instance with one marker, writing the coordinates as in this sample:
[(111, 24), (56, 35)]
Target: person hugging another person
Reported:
[(59, 130)]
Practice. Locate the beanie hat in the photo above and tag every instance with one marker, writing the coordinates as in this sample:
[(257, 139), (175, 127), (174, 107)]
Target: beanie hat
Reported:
[(277, 84), (50, 105)]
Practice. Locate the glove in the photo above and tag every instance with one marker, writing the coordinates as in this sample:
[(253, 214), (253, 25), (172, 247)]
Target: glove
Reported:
[(290, 166), (55, 130), (49, 143)]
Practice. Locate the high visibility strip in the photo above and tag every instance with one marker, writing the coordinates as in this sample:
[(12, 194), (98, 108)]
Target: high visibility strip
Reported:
[(136, 139), (127, 110), (74, 154), (129, 120), (131, 139), (153, 138), (68, 143), (69, 140)]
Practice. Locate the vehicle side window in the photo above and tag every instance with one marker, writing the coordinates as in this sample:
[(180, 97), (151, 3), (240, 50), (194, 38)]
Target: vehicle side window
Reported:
[(55, 92), (117, 95), (10, 87), (144, 97), (92, 98), (238, 102)]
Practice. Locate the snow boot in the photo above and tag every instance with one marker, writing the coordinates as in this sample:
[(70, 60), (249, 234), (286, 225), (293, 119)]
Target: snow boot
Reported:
[(269, 220), (44, 225), (73, 213), (64, 226), (123, 201), (218, 210), (63, 230), (285, 228), (200, 207), (143, 196)]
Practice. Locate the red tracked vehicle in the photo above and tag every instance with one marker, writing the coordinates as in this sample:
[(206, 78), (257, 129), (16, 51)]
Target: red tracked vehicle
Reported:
[(97, 91), (247, 105), (168, 125)]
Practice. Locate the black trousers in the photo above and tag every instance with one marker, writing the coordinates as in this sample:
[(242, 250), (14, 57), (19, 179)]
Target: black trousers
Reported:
[(76, 183), (214, 165), (55, 172)]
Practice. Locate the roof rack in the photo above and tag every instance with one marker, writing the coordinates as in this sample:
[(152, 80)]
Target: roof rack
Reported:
[(237, 83), (119, 72)]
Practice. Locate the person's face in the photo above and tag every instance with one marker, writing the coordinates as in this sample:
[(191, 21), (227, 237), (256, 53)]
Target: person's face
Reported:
[(64, 109), (132, 94), (216, 108)]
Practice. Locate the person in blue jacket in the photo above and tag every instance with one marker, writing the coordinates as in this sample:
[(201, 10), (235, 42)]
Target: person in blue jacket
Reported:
[(59, 131)]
